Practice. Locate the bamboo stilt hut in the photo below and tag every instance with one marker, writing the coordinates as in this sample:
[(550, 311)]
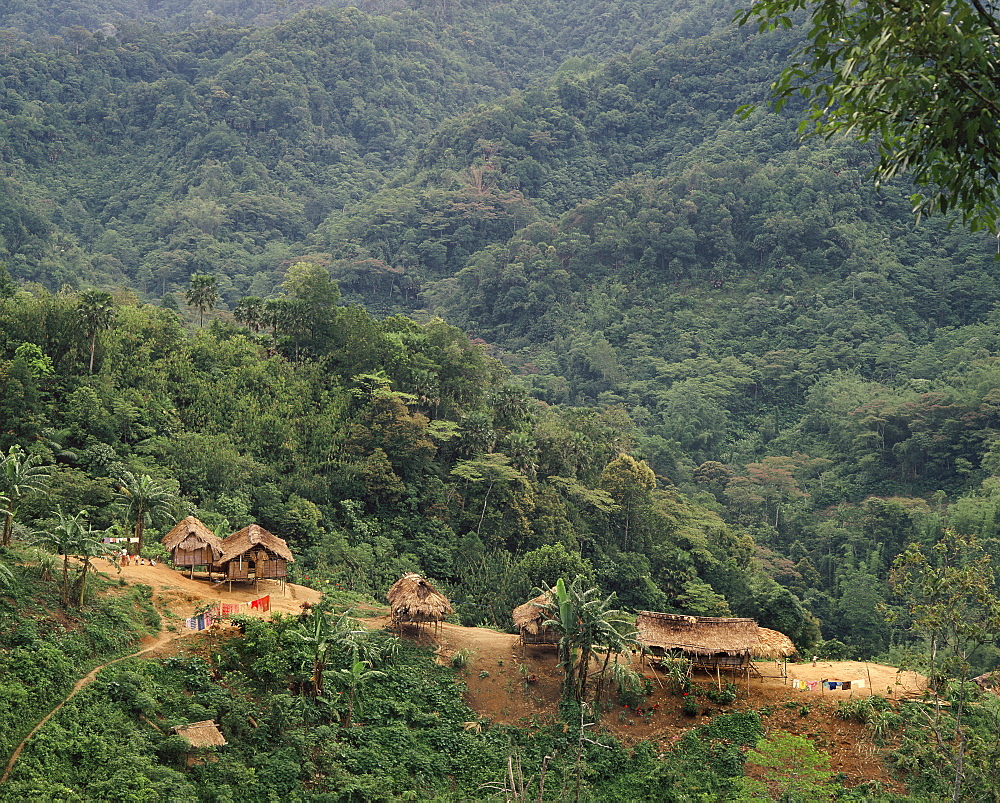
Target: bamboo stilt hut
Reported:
[(413, 600)]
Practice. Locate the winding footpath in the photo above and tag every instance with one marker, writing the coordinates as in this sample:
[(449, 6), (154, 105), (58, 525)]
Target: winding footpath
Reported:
[(163, 638)]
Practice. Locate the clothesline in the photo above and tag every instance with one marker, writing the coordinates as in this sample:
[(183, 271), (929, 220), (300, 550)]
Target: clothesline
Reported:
[(828, 685), (226, 609)]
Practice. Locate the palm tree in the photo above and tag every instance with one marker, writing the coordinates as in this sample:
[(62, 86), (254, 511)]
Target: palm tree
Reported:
[(20, 474), (63, 539), (89, 545), (250, 312), (142, 500), (96, 311), (202, 294)]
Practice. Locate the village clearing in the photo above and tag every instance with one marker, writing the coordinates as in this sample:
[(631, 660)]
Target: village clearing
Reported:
[(504, 687)]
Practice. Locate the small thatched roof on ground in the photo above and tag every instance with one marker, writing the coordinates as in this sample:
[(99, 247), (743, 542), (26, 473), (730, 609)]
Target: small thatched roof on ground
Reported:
[(413, 599), (251, 536), (191, 534), (697, 635), (201, 734), (773, 645), (529, 617)]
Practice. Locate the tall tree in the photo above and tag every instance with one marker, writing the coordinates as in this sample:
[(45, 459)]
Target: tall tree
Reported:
[(97, 311), (20, 474), (918, 77), (64, 539), (142, 500), (202, 295), (950, 596)]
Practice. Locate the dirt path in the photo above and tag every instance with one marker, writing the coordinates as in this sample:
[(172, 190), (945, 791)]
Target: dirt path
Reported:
[(179, 595), (154, 642)]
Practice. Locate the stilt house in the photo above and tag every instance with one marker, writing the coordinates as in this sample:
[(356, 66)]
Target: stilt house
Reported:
[(190, 543), (709, 642), (529, 620), (413, 600), (254, 554)]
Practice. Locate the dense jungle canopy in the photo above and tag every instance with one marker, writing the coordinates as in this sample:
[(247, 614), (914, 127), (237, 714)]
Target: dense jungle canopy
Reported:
[(498, 293)]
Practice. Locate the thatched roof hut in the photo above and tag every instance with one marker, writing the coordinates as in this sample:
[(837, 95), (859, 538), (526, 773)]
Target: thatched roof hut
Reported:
[(773, 645), (254, 553), (413, 599), (191, 543), (698, 636), (201, 734), (528, 619)]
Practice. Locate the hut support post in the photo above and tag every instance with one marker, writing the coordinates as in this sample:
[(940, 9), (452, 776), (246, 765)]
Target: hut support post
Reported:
[(718, 675)]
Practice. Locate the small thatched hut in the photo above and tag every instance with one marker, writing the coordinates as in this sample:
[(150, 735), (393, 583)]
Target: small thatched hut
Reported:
[(709, 642), (190, 543), (254, 554), (773, 645), (413, 600), (202, 736), (529, 619)]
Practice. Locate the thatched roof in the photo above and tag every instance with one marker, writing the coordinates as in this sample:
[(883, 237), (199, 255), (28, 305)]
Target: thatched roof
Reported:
[(529, 617), (773, 645), (413, 599), (201, 734), (697, 635), (191, 534), (250, 536)]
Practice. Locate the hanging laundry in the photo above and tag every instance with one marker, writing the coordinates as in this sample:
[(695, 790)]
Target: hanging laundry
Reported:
[(858, 684), (265, 603), (200, 619), (255, 604), (812, 684), (796, 684), (228, 609), (191, 622)]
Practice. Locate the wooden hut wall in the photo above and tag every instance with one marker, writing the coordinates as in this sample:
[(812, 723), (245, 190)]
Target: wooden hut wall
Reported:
[(238, 569), (193, 557), (273, 569)]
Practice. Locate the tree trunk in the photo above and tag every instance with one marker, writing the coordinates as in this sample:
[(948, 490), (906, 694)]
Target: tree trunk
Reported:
[(140, 526), (8, 528), (64, 596), (83, 581)]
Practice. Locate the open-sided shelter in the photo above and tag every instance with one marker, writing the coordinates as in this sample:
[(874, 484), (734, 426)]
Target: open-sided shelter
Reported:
[(254, 554), (413, 600), (530, 618), (708, 642), (190, 543)]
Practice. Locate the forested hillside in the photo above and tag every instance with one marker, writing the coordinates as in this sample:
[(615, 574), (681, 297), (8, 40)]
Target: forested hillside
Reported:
[(497, 293)]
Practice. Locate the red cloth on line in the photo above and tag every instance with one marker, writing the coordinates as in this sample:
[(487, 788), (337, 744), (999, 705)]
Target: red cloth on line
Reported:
[(265, 603), (255, 604)]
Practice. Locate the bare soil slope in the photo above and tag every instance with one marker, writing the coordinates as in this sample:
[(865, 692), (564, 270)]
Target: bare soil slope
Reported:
[(507, 688)]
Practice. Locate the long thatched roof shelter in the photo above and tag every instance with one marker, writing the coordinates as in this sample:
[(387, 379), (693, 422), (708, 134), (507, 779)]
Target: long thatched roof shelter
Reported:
[(699, 636), (413, 600), (253, 553), (529, 620), (191, 543)]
